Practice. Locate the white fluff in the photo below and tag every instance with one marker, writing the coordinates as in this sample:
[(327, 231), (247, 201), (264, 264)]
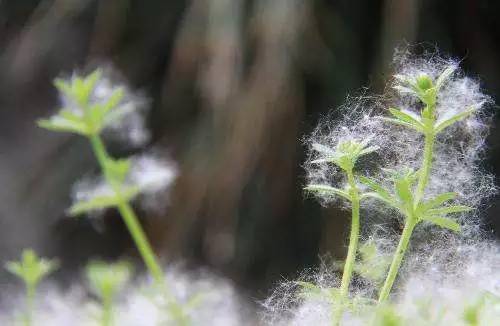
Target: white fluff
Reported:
[(128, 124), (447, 272), (152, 175), (216, 304)]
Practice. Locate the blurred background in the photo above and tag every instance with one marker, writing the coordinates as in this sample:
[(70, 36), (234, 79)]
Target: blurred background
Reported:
[(233, 86)]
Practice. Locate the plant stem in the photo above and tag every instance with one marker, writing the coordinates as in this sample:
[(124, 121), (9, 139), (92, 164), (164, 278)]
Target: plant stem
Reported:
[(30, 303), (128, 215), (107, 310), (352, 250), (136, 231), (412, 221), (425, 169), (397, 259)]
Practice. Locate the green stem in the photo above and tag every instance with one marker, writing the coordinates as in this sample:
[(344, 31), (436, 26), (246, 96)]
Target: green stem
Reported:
[(351, 252), (397, 259), (128, 215), (352, 249), (30, 304), (141, 241), (136, 231), (425, 169), (412, 221), (107, 311)]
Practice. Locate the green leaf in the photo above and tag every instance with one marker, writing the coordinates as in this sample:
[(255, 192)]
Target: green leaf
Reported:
[(428, 97), (387, 315), (70, 115), (377, 196), (443, 222), (103, 202), (80, 91), (31, 268), (117, 113), (449, 210), (401, 123), (107, 279), (407, 118), (63, 87), (441, 199), (445, 75), (113, 101), (403, 190), (328, 190), (403, 182), (437, 201), (102, 114), (440, 126), (368, 150), (345, 154), (60, 124), (15, 268), (381, 193), (84, 87), (96, 203), (345, 162), (91, 80), (373, 264)]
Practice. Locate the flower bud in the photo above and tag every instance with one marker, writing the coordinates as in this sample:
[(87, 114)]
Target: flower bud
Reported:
[(424, 82)]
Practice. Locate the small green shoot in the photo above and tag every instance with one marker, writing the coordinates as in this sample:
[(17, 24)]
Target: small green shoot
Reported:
[(473, 314), (106, 282), (31, 269), (386, 315), (372, 264), (345, 156), (334, 297), (409, 186), (90, 113)]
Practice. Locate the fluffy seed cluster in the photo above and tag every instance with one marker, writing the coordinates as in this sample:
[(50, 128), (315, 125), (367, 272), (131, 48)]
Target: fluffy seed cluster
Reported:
[(126, 124), (356, 123), (288, 306), (445, 293), (439, 262), (460, 147), (207, 300), (464, 290), (149, 173)]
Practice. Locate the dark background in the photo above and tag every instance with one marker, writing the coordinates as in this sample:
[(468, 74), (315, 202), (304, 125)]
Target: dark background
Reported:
[(233, 86)]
